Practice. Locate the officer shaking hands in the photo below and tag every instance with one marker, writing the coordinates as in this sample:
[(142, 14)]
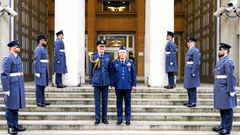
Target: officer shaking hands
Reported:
[(191, 71), (99, 78), (59, 64), (41, 70), (224, 89), (123, 81), (13, 87), (171, 61)]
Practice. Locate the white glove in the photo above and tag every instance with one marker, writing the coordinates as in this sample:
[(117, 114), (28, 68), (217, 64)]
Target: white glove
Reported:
[(38, 75), (171, 63), (7, 93), (193, 75), (232, 93)]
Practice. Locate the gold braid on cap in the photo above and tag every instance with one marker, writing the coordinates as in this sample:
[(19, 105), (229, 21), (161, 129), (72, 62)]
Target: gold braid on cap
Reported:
[(96, 62)]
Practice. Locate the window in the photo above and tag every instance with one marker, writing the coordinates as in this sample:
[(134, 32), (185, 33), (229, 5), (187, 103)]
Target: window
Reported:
[(116, 6)]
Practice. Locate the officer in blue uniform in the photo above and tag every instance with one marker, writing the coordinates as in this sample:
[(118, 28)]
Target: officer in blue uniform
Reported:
[(123, 81), (59, 64), (191, 71), (224, 89), (171, 61), (99, 78), (13, 87), (41, 70)]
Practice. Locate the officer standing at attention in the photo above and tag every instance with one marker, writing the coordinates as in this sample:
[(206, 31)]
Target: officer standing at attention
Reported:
[(224, 89), (123, 81), (171, 61), (191, 71), (13, 87), (41, 70), (99, 78), (59, 65)]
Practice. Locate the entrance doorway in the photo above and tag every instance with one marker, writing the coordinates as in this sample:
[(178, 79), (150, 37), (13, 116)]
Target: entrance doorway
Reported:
[(115, 41), (177, 41)]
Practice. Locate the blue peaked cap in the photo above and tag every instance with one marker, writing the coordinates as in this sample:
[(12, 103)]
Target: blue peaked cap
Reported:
[(59, 33), (101, 42), (224, 46), (192, 39), (122, 48), (13, 43), (169, 33)]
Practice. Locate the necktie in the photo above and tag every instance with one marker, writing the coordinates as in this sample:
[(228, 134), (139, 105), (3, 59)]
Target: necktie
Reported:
[(122, 63), (101, 56)]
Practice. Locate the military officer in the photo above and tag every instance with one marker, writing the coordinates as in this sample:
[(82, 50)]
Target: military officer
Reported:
[(171, 61), (13, 87), (191, 71), (41, 70), (59, 64), (123, 81), (224, 89), (99, 78)]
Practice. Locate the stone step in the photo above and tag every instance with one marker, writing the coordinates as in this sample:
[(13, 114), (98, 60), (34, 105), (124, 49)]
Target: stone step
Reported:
[(76, 101), (135, 125), (112, 108), (113, 116), (114, 132), (113, 96)]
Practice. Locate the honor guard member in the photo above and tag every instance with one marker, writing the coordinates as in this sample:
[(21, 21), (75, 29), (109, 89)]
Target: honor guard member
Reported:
[(224, 89), (41, 70), (123, 81), (59, 64), (171, 61), (13, 87), (99, 78), (191, 71)]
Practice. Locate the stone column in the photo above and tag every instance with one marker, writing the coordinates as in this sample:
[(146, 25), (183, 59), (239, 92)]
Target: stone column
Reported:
[(4, 33), (70, 17), (159, 18)]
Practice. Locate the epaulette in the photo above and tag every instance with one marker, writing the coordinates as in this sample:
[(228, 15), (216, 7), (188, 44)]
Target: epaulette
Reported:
[(116, 60), (5, 58), (94, 54), (130, 60)]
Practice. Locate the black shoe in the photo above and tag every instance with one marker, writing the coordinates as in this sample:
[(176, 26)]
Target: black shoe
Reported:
[(105, 121), (17, 128), (46, 103), (119, 122), (64, 86), (186, 103), (165, 86), (169, 87), (216, 129), (191, 105), (97, 122), (224, 132), (60, 86), (12, 131), (40, 105), (128, 122)]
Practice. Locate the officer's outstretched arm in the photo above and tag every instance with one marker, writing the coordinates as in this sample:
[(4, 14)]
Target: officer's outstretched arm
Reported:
[(37, 63), (5, 75), (57, 51), (173, 53), (196, 62), (231, 79)]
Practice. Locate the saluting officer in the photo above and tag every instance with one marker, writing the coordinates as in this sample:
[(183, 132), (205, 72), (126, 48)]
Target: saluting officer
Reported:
[(123, 81), (171, 61), (59, 64), (13, 86), (224, 89), (191, 71), (41, 70), (99, 78)]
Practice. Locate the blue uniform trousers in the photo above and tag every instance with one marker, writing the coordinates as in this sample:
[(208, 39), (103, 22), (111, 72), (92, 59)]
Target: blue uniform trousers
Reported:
[(97, 96), (126, 94), (170, 78), (12, 117), (40, 97), (58, 79), (227, 118), (192, 95)]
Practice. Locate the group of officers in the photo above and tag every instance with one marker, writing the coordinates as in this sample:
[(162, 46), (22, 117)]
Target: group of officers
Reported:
[(119, 74), (224, 86)]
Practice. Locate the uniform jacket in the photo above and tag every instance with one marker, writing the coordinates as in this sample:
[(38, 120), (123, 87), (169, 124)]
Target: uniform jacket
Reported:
[(101, 75), (171, 58), (40, 53), (59, 64), (123, 77), (222, 86), (190, 81), (14, 84)]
